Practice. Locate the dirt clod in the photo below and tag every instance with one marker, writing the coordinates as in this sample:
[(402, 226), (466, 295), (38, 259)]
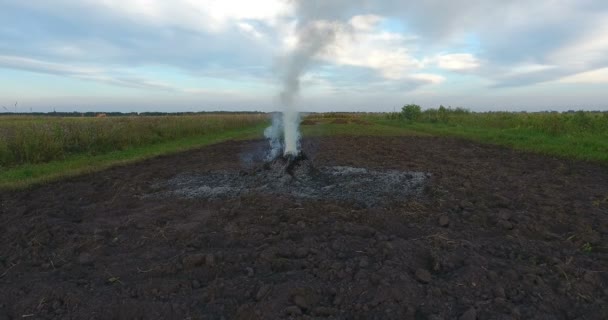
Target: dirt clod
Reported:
[(470, 314), (86, 259), (499, 292), (262, 292), (301, 253), (423, 275), (196, 284), (324, 311), (293, 311), (301, 302), (444, 221), (193, 260), (505, 225), (364, 262), (209, 259)]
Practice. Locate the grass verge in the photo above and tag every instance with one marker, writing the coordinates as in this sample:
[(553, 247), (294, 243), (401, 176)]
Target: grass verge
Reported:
[(25, 176), (580, 146), (355, 129)]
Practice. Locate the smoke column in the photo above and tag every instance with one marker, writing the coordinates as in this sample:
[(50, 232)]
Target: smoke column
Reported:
[(274, 135), (312, 38)]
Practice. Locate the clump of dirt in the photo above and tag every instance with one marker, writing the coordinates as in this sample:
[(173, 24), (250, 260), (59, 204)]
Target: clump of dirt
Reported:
[(298, 177)]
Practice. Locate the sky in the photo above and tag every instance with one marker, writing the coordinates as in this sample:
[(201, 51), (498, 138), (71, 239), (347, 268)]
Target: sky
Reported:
[(196, 55)]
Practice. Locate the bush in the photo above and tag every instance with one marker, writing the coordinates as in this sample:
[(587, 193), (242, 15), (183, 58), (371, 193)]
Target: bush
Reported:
[(411, 112)]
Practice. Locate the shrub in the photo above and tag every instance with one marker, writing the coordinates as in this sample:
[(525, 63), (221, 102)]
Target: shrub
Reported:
[(411, 112)]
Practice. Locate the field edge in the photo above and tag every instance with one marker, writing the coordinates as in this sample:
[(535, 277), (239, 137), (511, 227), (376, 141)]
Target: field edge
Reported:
[(27, 176)]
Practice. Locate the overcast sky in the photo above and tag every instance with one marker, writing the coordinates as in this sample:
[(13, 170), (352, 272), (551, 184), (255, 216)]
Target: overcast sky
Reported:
[(190, 55)]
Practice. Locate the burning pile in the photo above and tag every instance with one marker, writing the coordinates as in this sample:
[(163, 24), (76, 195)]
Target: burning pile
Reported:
[(295, 176)]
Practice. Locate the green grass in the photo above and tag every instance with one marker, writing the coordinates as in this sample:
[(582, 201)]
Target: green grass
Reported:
[(28, 175), (574, 144), (353, 129), (38, 139)]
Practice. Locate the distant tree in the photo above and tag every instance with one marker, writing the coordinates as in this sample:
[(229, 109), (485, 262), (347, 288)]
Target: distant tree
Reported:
[(411, 112), (461, 110)]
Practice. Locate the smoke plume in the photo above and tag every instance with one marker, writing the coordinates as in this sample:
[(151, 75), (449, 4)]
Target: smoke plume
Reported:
[(312, 37), (274, 134)]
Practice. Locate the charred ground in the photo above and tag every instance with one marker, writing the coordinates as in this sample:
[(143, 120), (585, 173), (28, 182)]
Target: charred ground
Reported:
[(299, 178), (494, 234)]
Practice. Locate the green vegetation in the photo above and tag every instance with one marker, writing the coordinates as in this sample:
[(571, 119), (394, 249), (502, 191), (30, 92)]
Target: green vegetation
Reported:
[(41, 149), (32, 140), (37, 149), (411, 112), (577, 135), (356, 129)]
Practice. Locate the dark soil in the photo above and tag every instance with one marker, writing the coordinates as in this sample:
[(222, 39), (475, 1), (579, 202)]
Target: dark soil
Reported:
[(495, 234), (309, 122)]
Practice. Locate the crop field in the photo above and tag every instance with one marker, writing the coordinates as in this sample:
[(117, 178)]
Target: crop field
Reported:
[(436, 214), (34, 149)]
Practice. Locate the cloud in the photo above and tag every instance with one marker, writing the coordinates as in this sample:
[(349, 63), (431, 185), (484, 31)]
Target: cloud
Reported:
[(457, 61), (598, 76), (508, 33), (144, 33), (112, 77), (206, 15), (392, 46), (362, 43)]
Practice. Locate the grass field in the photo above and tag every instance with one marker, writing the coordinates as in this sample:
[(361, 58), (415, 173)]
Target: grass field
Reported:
[(34, 150), (578, 135), (31, 140)]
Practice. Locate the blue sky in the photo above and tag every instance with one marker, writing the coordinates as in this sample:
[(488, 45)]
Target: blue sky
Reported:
[(187, 55)]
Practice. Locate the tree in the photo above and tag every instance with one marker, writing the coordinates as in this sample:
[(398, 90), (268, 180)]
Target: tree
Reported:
[(411, 112)]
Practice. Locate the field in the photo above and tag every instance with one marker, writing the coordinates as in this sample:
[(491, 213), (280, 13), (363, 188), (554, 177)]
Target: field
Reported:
[(39, 149), (507, 218), (578, 135)]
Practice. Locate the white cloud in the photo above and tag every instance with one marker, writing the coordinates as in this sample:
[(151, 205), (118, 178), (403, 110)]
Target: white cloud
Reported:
[(113, 77), (428, 78), (361, 43), (457, 61), (208, 15), (250, 30), (527, 68), (590, 48), (598, 76), (365, 22)]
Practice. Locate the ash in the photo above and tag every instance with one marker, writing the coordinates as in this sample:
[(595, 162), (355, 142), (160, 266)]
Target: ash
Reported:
[(297, 177)]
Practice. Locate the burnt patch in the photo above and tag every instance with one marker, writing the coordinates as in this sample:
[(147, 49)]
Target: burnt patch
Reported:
[(296, 176)]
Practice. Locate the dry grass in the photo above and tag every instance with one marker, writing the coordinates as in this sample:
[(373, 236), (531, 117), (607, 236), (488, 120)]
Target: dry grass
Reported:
[(31, 140)]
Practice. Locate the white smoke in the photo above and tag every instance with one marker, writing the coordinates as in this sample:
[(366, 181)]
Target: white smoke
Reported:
[(274, 134), (314, 34), (312, 37), (291, 123)]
